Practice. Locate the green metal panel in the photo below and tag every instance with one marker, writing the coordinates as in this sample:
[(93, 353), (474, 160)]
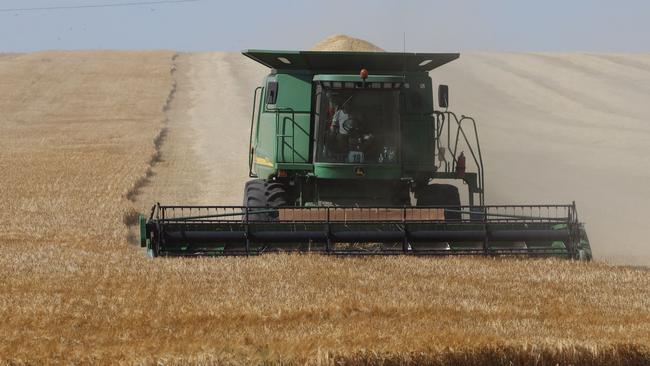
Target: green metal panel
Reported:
[(289, 166), (418, 126), (293, 118), (264, 142), (350, 171), (294, 91), (293, 137), (417, 140), (143, 230), (418, 97), (264, 171), (283, 129)]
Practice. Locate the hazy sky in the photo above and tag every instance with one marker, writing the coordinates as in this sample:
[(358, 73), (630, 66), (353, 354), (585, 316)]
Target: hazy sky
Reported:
[(502, 25)]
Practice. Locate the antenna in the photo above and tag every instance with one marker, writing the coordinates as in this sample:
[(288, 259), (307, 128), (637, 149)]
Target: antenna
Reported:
[(404, 54)]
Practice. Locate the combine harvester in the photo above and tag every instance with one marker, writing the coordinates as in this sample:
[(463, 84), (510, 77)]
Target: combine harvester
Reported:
[(346, 154)]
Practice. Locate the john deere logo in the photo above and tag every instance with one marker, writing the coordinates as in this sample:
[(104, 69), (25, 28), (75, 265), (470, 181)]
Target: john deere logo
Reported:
[(359, 172)]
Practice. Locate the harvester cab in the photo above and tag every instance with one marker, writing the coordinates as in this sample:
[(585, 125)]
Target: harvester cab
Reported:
[(347, 155)]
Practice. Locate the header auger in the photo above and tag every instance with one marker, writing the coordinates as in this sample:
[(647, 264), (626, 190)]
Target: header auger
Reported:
[(347, 155)]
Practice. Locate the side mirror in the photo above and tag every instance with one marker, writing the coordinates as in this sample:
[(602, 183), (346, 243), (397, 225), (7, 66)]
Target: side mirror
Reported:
[(443, 96)]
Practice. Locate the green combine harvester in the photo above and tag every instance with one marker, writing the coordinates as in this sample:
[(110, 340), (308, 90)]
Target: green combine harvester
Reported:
[(348, 156)]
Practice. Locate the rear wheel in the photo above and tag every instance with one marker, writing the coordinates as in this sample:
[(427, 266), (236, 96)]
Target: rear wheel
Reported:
[(260, 194), (440, 195)]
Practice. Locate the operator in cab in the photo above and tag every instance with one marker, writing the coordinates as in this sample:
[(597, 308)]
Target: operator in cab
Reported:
[(343, 124), (347, 142)]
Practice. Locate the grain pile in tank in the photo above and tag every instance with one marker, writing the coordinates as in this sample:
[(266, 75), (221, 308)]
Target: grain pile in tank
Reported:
[(342, 42)]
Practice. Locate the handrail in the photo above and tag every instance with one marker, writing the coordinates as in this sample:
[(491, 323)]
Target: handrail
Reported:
[(283, 136), (277, 128), (477, 156), (479, 161), (279, 148), (250, 137)]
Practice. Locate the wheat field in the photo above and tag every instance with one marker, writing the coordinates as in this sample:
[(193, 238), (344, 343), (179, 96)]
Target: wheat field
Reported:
[(78, 131), (78, 134)]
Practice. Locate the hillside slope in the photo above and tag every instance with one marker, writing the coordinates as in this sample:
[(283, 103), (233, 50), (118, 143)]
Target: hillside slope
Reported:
[(564, 127)]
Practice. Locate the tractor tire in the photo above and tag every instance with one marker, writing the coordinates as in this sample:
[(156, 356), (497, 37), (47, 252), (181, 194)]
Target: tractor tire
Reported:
[(440, 195), (261, 193)]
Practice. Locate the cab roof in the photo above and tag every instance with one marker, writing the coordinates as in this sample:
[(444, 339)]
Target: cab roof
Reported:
[(319, 61)]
